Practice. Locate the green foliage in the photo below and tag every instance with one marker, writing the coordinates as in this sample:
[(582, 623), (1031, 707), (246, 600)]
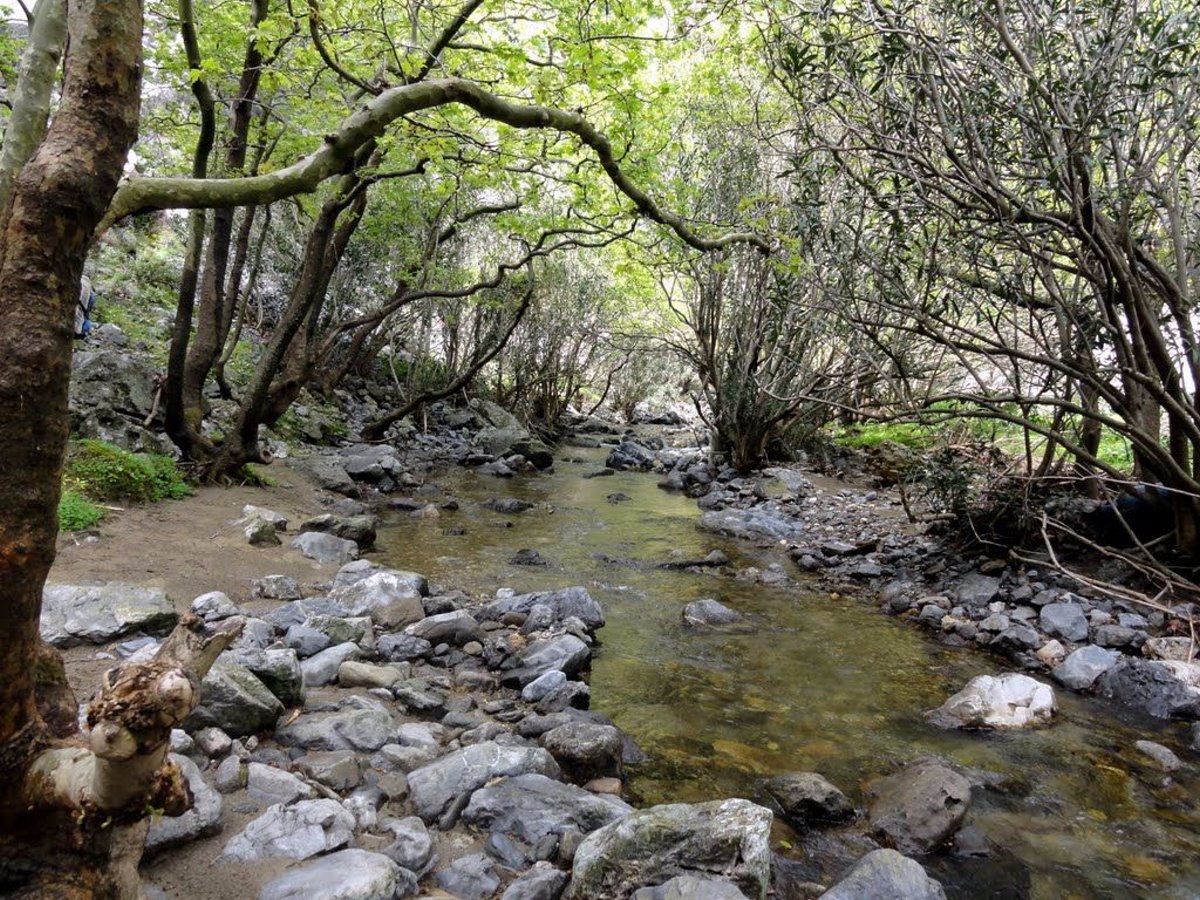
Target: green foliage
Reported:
[(76, 512), (254, 476), (103, 471), (872, 434)]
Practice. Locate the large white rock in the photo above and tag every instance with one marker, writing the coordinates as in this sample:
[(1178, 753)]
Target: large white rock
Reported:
[(1011, 700), (293, 832), (345, 875)]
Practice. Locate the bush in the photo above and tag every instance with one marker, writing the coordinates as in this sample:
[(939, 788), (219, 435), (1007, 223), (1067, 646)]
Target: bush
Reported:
[(103, 471), (76, 512)]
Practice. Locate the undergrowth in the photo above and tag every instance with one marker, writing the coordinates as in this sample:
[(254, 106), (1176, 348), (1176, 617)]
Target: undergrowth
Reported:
[(99, 471)]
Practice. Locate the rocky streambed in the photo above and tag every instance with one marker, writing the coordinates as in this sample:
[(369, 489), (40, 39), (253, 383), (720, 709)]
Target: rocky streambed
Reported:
[(582, 695)]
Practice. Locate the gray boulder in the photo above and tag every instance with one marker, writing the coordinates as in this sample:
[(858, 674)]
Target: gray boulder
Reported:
[(351, 729), (564, 603), (458, 627), (976, 591), (345, 875), (325, 548), (807, 798), (630, 455), (233, 699), (651, 846), (564, 653), (529, 807), (585, 751), (920, 807), (412, 846), (1010, 700), (690, 887), (392, 599), (756, 524), (329, 474), (707, 613), (360, 529), (321, 668), (112, 393), (277, 587), (202, 819), (1080, 669), (1168, 689), (214, 606), (434, 787), (96, 615), (279, 670), (542, 882), (1064, 620), (273, 785), (471, 877), (886, 875), (293, 832)]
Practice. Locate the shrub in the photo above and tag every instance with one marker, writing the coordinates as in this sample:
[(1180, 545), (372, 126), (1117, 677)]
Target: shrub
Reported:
[(103, 471), (76, 512)]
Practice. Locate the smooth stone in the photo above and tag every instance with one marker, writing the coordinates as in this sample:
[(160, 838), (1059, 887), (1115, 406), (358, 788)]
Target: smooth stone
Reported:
[(434, 787), (529, 807), (458, 627), (707, 613), (96, 615), (690, 887), (339, 770), (807, 798), (1010, 700), (233, 699), (325, 548), (293, 832), (1064, 620), (585, 751), (1164, 757), (886, 875), (345, 875), (323, 667), (920, 807), (203, 818), (360, 674), (352, 729), (1081, 668)]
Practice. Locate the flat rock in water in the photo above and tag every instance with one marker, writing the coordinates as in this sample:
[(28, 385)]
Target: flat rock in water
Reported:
[(293, 832), (564, 603), (95, 615), (202, 819), (586, 750), (707, 613), (435, 786), (920, 807), (807, 798), (529, 807), (651, 846), (1010, 700), (564, 653), (751, 524), (886, 875), (345, 875), (1168, 689)]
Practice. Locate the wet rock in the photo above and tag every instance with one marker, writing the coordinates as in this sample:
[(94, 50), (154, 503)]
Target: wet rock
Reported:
[(507, 505), (630, 455), (571, 695), (565, 653), (345, 875), (529, 807), (650, 846), (1064, 620), (458, 627), (277, 587), (707, 613), (585, 751), (754, 524), (293, 832), (1168, 689), (202, 819), (470, 877), (322, 668), (434, 787), (542, 882), (279, 670), (807, 798), (353, 729), (95, 615), (567, 602), (1010, 700), (1016, 639), (886, 875), (232, 698), (359, 529), (920, 807), (527, 557), (392, 599), (325, 548), (690, 887), (1080, 669), (404, 647), (1163, 757)]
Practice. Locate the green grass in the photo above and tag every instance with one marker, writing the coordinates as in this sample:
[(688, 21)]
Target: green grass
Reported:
[(102, 471), (76, 512), (872, 434)]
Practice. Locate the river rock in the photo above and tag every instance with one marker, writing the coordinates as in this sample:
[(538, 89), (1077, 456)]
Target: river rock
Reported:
[(275, 785), (754, 524), (566, 602), (690, 887), (471, 877), (351, 729), (434, 787), (529, 807), (232, 698), (1064, 620), (392, 599), (277, 587), (202, 819), (542, 882), (630, 455), (403, 647), (325, 548), (360, 674), (321, 668), (542, 686), (412, 846), (339, 770), (1178, 648), (920, 807), (585, 751), (293, 832), (564, 653), (976, 591), (279, 670), (707, 613), (345, 875), (1163, 757), (214, 606), (1080, 669), (359, 529), (458, 627), (260, 533), (508, 505), (306, 640), (95, 615), (329, 474), (886, 875), (650, 846), (807, 798), (1010, 700), (1168, 689)]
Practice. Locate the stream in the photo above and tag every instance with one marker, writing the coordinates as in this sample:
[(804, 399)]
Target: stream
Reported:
[(814, 684)]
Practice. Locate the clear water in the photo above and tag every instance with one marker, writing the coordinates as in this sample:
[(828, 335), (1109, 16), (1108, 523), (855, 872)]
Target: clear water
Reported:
[(816, 684)]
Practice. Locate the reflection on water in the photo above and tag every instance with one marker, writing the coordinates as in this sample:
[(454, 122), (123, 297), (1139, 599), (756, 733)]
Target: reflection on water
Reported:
[(817, 684)]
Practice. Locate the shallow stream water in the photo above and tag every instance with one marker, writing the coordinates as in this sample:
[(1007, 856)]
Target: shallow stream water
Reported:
[(814, 684)]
